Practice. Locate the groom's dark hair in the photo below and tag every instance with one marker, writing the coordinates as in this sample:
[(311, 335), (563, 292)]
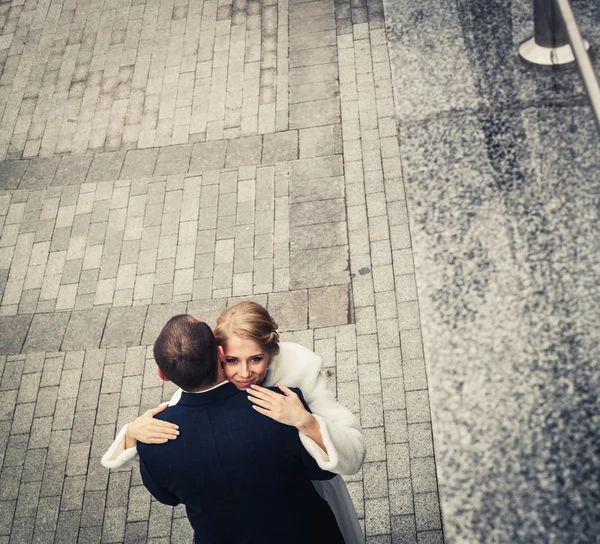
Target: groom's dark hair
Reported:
[(186, 352)]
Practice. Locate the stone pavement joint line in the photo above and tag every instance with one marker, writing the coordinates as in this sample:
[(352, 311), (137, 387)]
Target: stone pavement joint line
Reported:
[(170, 157)]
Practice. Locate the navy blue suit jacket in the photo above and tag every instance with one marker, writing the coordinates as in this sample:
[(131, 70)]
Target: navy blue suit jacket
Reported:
[(243, 477)]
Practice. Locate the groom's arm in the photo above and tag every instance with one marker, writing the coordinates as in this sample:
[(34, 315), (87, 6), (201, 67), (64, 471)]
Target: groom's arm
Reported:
[(158, 492)]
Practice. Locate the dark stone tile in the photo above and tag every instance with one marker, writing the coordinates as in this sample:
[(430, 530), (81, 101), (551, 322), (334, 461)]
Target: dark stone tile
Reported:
[(157, 317), (207, 310), (139, 163), (328, 306), (208, 156), (39, 173), (13, 330), (46, 332), (244, 151), (85, 329), (319, 267), (106, 166), (124, 326), (72, 170), (280, 146), (173, 160), (290, 308), (11, 173)]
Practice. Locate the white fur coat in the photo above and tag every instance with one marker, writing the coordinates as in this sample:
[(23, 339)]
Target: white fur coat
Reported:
[(295, 366)]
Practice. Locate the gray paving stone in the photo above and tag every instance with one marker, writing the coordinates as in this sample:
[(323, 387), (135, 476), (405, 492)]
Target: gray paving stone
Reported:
[(85, 329), (291, 309), (318, 211), (13, 332), (72, 170), (207, 310), (173, 160), (377, 516), (317, 167), (157, 318), (244, 151), (319, 267), (427, 511), (124, 326), (139, 163), (105, 166), (67, 527), (318, 236), (208, 156), (313, 74), (39, 173), (430, 537), (314, 113), (328, 306), (113, 529), (46, 332), (11, 172), (280, 146)]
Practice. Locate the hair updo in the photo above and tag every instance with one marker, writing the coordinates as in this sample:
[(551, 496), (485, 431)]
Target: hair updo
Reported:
[(248, 320)]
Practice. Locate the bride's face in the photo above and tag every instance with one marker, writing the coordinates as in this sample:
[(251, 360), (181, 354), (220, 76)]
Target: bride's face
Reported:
[(245, 362)]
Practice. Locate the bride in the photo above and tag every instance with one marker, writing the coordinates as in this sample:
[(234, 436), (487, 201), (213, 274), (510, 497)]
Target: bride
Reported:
[(253, 356)]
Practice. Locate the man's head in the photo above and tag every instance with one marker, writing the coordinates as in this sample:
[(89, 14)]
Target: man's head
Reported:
[(186, 353)]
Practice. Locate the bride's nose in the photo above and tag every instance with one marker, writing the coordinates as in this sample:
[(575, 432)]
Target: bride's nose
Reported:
[(244, 372)]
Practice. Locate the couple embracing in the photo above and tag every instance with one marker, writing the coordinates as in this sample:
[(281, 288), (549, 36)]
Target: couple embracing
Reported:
[(252, 463)]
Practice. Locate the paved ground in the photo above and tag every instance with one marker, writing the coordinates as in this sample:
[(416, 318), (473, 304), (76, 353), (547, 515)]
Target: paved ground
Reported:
[(163, 157)]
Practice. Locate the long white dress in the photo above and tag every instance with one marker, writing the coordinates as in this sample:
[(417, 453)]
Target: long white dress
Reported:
[(296, 366)]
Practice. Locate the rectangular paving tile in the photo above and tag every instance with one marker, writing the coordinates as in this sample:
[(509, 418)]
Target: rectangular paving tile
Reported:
[(72, 170), (207, 310), (11, 173), (46, 332), (319, 267), (85, 329), (13, 330), (39, 173), (317, 167), (139, 163), (314, 74), (318, 211), (157, 317), (244, 151), (280, 146), (316, 189), (319, 235), (313, 39), (314, 114), (328, 306), (208, 156), (173, 160), (291, 309), (309, 92), (106, 166), (124, 327)]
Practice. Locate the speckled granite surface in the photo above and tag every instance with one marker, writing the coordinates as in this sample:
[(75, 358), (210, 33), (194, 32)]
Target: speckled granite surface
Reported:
[(502, 170)]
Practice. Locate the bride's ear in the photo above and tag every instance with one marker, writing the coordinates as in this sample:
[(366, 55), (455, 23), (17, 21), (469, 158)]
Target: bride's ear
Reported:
[(221, 354)]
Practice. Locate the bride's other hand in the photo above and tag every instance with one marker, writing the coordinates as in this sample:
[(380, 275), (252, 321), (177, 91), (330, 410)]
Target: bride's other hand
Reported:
[(149, 430), (287, 408)]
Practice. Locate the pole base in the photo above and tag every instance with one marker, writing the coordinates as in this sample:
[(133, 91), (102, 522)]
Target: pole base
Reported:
[(547, 58)]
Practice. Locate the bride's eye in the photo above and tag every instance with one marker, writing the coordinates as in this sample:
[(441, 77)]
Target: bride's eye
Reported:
[(257, 359), (230, 361)]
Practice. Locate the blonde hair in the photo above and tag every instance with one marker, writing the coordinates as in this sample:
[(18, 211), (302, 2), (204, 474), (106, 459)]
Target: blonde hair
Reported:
[(250, 320)]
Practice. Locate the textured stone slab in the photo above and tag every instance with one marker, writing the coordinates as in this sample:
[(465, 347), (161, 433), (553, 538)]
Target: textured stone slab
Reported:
[(317, 189), (320, 235), (85, 329), (310, 24), (39, 173), (289, 309), (46, 332), (207, 310), (314, 114), (328, 306), (243, 151), (280, 146), (318, 211), (319, 267), (318, 167), (11, 173), (311, 57), (157, 317), (13, 330), (173, 160), (139, 163), (72, 170), (208, 156), (106, 166), (313, 74), (124, 326), (312, 40), (320, 141), (309, 92)]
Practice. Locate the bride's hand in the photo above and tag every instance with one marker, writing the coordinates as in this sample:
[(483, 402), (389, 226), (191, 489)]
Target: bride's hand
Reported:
[(148, 430), (287, 408)]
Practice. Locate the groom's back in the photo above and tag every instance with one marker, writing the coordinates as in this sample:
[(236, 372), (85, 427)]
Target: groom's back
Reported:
[(243, 477)]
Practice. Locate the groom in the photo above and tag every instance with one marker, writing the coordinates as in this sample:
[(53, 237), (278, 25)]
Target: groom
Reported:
[(243, 478)]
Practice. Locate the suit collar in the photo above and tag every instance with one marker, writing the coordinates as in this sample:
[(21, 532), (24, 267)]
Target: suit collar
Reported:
[(208, 397)]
